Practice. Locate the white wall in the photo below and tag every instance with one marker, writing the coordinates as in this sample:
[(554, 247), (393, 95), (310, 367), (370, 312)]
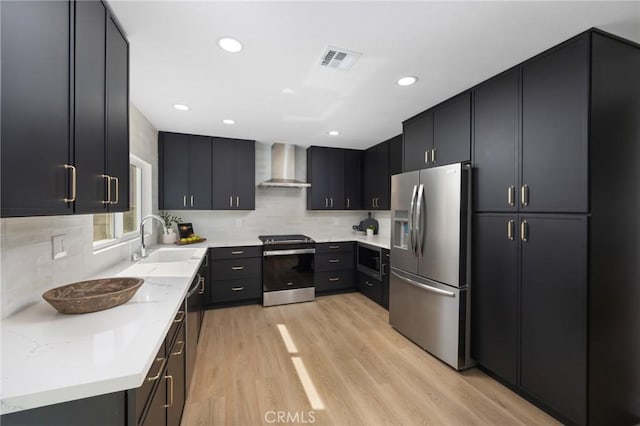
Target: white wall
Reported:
[(26, 265)]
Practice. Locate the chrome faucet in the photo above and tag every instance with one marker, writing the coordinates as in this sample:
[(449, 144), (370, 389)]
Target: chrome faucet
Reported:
[(143, 248)]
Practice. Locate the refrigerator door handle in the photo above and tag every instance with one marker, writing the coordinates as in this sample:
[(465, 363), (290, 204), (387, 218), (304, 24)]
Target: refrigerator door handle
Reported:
[(412, 211), (424, 286), (419, 221)]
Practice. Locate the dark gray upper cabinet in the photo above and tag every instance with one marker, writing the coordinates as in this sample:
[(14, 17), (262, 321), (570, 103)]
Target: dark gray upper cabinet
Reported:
[(35, 107), (185, 171), (90, 106), (452, 131), (326, 173), (376, 177), (555, 129), (417, 141), (77, 133), (395, 155), (233, 174), (117, 159), (353, 179), (439, 136), (494, 305), (496, 143)]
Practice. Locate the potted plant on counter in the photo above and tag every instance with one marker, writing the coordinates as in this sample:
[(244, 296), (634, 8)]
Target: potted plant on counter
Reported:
[(170, 236), (370, 230)]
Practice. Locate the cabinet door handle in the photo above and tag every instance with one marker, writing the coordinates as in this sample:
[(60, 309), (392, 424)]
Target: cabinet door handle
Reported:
[(348, 203), (524, 231), (184, 201), (331, 202), (181, 348), (334, 279), (237, 252), (108, 182), (368, 283), (181, 317), (510, 226), (117, 190), (157, 376), (237, 288), (74, 183), (206, 260), (237, 201), (524, 195), (201, 291), (326, 202), (230, 200), (426, 157), (433, 155), (170, 404), (382, 272), (334, 260), (334, 247), (192, 201), (511, 195), (237, 268)]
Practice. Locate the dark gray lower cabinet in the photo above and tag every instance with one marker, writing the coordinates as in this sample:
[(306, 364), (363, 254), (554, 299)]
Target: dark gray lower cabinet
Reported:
[(334, 265), (530, 306), (370, 287), (236, 275), (494, 301), (553, 333)]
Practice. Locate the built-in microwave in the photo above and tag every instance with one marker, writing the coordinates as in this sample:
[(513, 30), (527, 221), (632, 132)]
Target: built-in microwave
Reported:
[(369, 260)]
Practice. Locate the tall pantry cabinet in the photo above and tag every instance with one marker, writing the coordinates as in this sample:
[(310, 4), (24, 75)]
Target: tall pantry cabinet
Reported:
[(556, 282)]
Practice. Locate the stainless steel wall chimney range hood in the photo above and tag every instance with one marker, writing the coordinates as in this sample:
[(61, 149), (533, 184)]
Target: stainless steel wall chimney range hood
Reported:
[(283, 168)]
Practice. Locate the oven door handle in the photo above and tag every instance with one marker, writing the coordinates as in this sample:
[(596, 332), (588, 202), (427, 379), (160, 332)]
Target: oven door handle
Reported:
[(268, 253)]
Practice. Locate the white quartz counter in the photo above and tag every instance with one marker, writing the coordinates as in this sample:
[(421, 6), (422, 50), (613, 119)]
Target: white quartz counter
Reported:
[(49, 357), (383, 241)]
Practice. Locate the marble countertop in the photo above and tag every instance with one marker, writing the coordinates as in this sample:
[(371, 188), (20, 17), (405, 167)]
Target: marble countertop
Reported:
[(49, 357)]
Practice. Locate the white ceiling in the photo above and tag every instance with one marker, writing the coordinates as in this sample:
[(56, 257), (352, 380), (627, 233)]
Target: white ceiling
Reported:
[(450, 46)]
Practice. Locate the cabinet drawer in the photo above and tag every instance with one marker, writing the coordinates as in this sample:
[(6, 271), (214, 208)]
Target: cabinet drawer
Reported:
[(236, 290), (231, 269), (335, 247), (333, 261), (235, 252), (178, 321), (370, 287), (334, 280), (154, 375)]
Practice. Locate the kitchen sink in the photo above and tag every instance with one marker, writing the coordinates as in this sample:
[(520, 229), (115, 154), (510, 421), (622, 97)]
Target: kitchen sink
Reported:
[(173, 255)]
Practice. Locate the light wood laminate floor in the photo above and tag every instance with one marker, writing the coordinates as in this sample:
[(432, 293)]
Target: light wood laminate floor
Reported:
[(364, 372)]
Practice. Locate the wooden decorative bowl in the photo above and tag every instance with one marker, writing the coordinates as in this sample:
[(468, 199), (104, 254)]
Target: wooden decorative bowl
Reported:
[(91, 296)]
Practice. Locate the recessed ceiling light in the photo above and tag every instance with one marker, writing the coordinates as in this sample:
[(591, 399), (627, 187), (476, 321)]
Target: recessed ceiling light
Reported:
[(334, 133), (407, 81), (288, 91), (181, 107), (230, 44), (228, 121)]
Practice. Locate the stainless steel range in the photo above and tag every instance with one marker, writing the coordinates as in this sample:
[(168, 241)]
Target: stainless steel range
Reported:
[(287, 269)]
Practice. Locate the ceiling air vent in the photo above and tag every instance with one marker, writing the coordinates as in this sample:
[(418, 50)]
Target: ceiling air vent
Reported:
[(342, 59)]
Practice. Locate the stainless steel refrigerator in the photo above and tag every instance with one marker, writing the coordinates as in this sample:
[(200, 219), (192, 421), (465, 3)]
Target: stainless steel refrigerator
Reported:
[(430, 268)]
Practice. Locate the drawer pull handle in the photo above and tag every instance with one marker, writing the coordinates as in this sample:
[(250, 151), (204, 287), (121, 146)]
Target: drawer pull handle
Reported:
[(157, 376), (238, 252), (334, 247), (237, 288), (237, 268), (181, 348), (181, 317), (334, 260), (170, 404), (368, 283), (201, 291), (334, 279)]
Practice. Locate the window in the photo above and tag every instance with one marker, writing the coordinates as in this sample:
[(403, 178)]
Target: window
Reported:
[(111, 228)]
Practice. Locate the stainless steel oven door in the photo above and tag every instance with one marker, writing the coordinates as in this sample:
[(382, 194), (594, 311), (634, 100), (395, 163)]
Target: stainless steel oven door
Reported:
[(287, 269)]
